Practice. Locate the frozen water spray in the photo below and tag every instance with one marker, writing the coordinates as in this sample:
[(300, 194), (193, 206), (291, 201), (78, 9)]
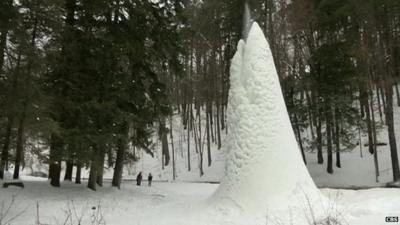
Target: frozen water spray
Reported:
[(264, 170), (246, 21)]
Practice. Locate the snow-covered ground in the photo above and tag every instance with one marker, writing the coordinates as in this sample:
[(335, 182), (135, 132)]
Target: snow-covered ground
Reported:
[(135, 205)]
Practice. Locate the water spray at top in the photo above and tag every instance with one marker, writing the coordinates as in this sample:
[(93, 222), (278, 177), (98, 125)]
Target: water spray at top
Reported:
[(246, 21)]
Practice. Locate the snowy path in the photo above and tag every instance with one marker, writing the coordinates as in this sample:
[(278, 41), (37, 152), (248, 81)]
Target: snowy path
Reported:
[(125, 206)]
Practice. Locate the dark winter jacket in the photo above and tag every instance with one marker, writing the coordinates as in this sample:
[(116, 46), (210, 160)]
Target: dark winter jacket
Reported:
[(139, 179)]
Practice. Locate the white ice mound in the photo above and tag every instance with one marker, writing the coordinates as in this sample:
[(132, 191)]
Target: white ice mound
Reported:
[(264, 169)]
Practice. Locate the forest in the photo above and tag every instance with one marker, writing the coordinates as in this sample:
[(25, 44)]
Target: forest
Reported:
[(87, 83)]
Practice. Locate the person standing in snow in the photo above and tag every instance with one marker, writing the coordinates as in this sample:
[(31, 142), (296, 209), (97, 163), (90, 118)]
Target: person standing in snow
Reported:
[(150, 178), (139, 179)]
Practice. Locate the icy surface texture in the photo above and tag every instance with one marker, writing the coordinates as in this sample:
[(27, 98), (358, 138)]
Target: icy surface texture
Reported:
[(264, 169)]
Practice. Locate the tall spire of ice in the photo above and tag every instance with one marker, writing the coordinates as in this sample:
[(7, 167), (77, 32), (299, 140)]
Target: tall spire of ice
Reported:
[(264, 169)]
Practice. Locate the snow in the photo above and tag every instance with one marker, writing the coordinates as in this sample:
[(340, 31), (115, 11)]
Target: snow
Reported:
[(369, 207), (141, 205)]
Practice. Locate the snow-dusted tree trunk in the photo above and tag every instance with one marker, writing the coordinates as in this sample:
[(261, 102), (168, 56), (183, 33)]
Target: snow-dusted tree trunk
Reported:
[(264, 169)]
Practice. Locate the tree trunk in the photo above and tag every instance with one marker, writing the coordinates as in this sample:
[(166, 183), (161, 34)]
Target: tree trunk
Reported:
[(211, 123), (376, 164), (309, 112), (78, 173), (56, 146), (328, 114), (223, 117), (361, 100), (20, 146), (94, 167), (397, 94), (188, 127), (201, 149), (100, 166), (163, 131), (119, 163), (55, 173), (218, 127), (173, 149), (3, 45), (337, 138), (379, 103), (391, 132), (201, 163), (208, 125), (4, 34), (296, 125), (360, 141), (319, 138), (93, 175), (68, 170), (6, 146), (195, 138), (368, 120), (300, 141), (383, 98)]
